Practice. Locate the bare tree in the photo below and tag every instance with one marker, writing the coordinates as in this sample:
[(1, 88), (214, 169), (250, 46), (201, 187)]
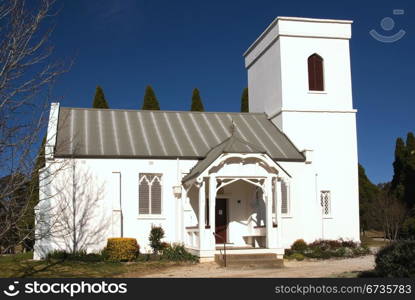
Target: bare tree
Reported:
[(79, 219), (391, 213), (26, 77)]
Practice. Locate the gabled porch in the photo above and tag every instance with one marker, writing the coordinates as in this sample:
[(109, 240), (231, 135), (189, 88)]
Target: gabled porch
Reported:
[(233, 197)]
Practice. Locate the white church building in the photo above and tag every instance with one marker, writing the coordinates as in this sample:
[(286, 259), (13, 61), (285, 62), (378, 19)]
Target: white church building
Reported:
[(258, 181)]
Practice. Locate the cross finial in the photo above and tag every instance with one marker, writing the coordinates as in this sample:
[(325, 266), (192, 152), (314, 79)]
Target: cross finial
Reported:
[(233, 128)]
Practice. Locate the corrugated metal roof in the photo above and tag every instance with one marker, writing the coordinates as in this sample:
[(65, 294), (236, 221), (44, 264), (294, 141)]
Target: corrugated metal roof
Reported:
[(84, 132)]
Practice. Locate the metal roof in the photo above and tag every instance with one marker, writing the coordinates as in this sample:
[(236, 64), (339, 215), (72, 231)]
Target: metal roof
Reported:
[(112, 133)]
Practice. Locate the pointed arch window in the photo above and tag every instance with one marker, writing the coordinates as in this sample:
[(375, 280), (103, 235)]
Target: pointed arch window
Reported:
[(315, 73), (149, 194)]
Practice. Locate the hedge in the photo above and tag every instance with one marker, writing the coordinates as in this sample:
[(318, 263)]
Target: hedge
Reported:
[(396, 260), (122, 249)]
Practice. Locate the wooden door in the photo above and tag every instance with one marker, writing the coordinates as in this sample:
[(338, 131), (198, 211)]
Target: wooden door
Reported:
[(221, 217)]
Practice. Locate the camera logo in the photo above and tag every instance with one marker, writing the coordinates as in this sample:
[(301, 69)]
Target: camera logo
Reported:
[(11, 290), (388, 24)]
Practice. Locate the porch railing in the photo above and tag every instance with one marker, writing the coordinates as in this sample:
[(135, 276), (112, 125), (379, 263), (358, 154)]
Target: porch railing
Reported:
[(192, 236), (224, 248)]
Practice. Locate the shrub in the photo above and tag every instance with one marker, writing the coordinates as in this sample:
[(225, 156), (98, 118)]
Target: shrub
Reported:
[(75, 256), (57, 254), (361, 250), (326, 244), (319, 253), (396, 260), (339, 252), (122, 249), (164, 245), (299, 245), (296, 256), (177, 252), (156, 234), (349, 244), (323, 249)]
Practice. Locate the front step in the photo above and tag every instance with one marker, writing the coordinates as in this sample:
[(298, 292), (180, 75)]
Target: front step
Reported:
[(250, 261)]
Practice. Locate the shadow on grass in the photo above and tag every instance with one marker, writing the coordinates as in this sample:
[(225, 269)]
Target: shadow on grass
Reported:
[(28, 268)]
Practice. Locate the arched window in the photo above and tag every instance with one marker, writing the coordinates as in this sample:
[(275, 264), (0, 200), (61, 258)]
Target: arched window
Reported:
[(315, 73)]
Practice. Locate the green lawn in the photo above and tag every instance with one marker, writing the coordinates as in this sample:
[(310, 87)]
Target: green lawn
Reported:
[(22, 265)]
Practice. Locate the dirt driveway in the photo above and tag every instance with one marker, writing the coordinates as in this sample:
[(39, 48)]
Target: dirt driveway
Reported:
[(322, 268)]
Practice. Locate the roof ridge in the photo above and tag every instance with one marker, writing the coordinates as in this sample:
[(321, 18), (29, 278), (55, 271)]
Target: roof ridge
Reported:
[(163, 111)]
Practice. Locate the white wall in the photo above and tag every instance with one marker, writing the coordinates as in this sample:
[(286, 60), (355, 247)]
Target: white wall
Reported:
[(277, 66), (101, 176), (324, 121)]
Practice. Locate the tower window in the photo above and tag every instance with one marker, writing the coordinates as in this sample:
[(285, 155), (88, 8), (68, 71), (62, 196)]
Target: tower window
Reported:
[(315, 73)]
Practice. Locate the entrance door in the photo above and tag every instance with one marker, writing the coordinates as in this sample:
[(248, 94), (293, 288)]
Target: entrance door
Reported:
[(221, 217)]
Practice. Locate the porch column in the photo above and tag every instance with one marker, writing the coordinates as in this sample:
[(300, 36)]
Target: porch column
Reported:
[(278, 218), (270, 232), (182, 221), (202, 211), (212, 210)]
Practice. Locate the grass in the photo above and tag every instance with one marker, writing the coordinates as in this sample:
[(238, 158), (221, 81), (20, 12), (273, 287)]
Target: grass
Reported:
[(22, 265)]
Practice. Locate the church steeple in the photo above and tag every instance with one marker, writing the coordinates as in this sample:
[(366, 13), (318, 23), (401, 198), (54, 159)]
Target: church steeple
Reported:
[(300, 64)]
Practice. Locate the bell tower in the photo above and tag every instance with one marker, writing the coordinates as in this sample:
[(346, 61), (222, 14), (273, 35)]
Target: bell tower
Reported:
[(299, 75)]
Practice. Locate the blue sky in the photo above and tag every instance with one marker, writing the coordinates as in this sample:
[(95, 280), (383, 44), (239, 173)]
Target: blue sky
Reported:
[(178, 45)]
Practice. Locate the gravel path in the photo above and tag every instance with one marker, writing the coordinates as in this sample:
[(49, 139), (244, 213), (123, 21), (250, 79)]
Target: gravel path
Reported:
[(308, 268)]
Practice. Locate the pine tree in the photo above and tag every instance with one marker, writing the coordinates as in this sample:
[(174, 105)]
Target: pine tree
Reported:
[(150, 100), (245, 101), (197, 104), (99, 99)]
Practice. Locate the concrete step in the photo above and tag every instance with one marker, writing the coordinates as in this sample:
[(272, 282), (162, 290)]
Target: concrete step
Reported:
[(244, 261), (250, 256), (231, 247)]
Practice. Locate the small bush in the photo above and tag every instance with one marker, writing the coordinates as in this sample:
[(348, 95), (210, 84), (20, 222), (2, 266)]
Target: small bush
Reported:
[(319, 253), (288, 252), (177, 252), (57, 254), (396, 260), (323, 249), (326, 244), (361, 250), (75, 256), (164, 245), (349, 244), (299, 245), (122, 249), (156, 234), (339, 252), (296, 256)]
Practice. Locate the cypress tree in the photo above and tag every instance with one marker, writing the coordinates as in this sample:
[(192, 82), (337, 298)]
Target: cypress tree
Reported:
[(368, 192), (197, 104), (409, 180), (397, 184), (244, 101), (150, 100), (410, 143), (99, 99)]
